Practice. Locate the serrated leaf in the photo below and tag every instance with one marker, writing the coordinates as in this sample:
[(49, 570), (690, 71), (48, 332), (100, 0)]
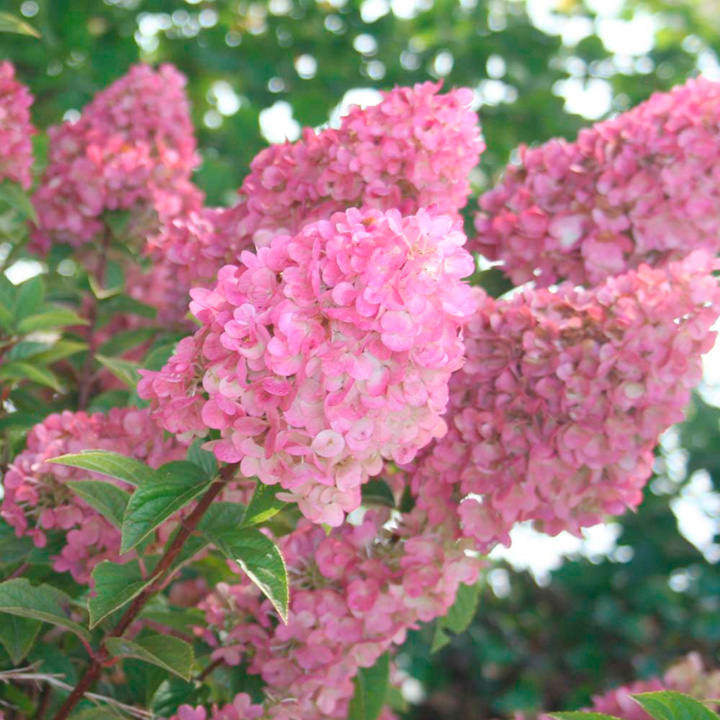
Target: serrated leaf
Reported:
[(172, 487), (18, 635), (165, 651), (108, 463), (108, 499), (21, 370), (260, 559), (49, 320), (115, 585), (203, 459), (11, 24), (263, 505), (377, 492), (669, 705), (371, 686), (123, 370), (41, 602)]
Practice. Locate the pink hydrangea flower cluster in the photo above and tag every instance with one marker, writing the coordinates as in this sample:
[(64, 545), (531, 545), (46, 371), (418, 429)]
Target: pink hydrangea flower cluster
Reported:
[(354, 595), (687, 676), (563, 396), (133, 148), (36, 499), (16, 155), (642, 187), (324, 353), (414, 150)]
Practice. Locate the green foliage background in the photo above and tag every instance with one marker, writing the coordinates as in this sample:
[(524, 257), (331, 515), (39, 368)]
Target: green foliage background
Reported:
[(598, 622)]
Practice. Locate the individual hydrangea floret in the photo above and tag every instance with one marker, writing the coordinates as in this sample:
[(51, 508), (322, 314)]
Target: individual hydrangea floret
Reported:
[(325, 353), (563, 396), (16, 155), (37, 499), (132, 148), (414, 150), (642, 187)]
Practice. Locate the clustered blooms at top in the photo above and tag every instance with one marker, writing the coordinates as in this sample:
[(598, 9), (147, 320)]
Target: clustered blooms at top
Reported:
[(563, 396), (354, 594), (16, 155), (37, 499), (326, 348), (132, 148), (686, 676), (642, 187), (413, 150), (325, 353)]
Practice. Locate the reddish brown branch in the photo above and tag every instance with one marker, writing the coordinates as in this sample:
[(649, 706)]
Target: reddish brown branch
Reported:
[(156, 583)]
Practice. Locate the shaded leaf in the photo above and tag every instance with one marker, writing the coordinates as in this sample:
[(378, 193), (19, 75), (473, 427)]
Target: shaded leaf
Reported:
[(11, 24), (172, 487), (108, 499), (371, 686), (263, 505), (115, 585), (165, 651), (41, 602), (109, 463)]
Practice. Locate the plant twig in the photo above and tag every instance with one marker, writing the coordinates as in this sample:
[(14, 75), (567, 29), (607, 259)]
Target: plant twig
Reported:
[(156, 583)]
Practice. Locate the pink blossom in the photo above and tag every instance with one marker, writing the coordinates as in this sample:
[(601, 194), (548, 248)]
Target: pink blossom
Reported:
[(414, 150), (16, 155), (36, 498), (563, 397), (641, 187), (323, 354), (132, 149)]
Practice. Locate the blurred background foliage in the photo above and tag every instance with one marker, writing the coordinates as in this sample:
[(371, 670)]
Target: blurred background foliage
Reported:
[(257, 70)]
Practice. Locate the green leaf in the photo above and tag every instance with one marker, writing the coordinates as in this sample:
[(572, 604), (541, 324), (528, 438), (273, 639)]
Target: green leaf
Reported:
[(114, 281), (172, 487), (60, 350), (165, 651), (121, 342), (124, 304), (41, 602), (18, 635), (98, 713), (115, 585), (21, 370), (371, 686), (12, 193), (260, 559), (668, 705), (203, 459), (108, 499), (11, 24), (21, 421), (458, 617), (49, 320), (28, 297), (123, 370), (580, 715), (157, 357), (377, 492), (109, 463), (463, 609), (263, 505)]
